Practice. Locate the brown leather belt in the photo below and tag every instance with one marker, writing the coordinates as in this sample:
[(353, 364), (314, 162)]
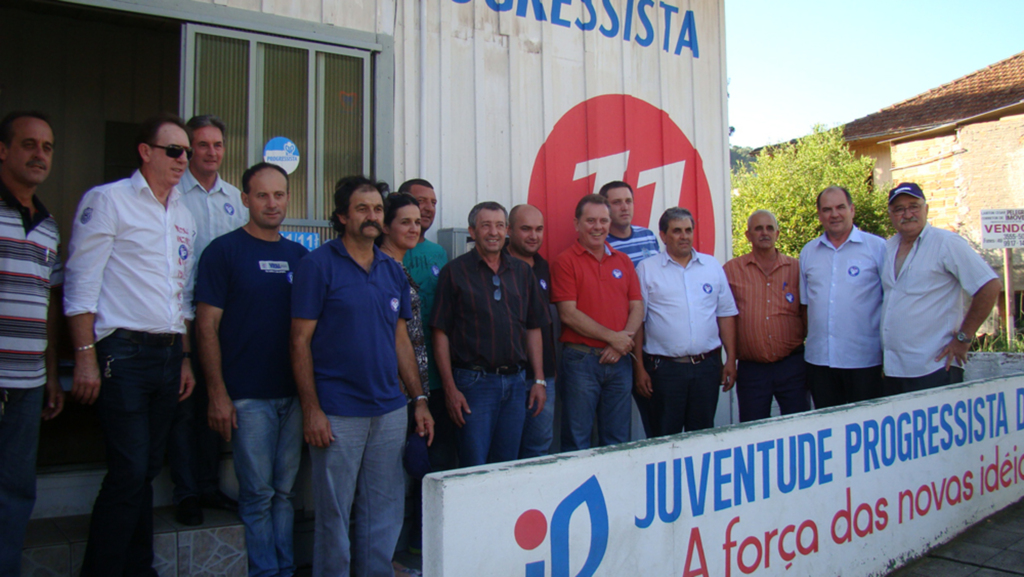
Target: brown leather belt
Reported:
[(584, 348)]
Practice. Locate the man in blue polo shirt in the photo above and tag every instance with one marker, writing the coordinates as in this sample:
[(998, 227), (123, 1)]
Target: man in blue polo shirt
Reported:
[(243, 293), (350, 345)]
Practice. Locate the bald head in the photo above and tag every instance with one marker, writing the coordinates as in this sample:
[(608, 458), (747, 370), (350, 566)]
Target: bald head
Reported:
[(525, 231)]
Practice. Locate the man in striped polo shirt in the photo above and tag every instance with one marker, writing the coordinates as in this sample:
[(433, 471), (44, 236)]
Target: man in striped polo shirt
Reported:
[(28, 270)]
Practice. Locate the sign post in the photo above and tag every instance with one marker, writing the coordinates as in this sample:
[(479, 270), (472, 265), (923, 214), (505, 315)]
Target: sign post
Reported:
[(1004, 228)]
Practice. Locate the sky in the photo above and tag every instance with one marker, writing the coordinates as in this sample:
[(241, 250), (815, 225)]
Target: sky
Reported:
[(796, 63)]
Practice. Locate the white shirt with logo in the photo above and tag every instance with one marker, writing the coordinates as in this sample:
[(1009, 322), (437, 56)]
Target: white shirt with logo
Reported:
[(131, 260), (217, 211), (682, 305), (842, 288)]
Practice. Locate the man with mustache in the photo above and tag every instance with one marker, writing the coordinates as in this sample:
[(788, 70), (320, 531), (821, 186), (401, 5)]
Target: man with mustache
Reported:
[(841, 292), (771, 328), (128, 299), (29, 271), (487, 323), (925, 332), (349, 347)]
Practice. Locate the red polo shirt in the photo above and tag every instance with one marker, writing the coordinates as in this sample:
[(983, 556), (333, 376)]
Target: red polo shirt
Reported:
[(602, 290)]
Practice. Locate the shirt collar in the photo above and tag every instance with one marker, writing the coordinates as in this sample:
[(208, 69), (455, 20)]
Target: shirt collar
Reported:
[(855, 236), (579, 249), (140, 185), (502, 263), (189, 183), (27, 221), (667, 259)]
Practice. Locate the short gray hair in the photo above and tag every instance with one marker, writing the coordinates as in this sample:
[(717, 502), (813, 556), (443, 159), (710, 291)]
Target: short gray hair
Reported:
[(762, 211), (675, 213), (488, 205)]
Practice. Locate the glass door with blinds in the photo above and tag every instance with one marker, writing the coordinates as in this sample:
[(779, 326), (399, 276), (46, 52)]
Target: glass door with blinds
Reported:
[(267, 88)]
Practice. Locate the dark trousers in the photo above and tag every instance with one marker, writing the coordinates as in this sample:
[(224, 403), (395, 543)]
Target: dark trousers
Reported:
[(757, 383), (138, 394), (685, 395), (193, 449), (940, 378), (832, 387)]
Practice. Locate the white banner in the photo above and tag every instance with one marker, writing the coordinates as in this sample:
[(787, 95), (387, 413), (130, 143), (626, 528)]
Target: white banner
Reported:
[(852, 491), (1002, 228)]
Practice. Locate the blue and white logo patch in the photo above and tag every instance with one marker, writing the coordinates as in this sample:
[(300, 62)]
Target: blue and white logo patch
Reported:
[(289, 276), (790, 298), (394, 305), (183, 252), (86, 215), (707, 288), (229, 209), (616, 273), (436, 270), (543, 284), (853, 271)]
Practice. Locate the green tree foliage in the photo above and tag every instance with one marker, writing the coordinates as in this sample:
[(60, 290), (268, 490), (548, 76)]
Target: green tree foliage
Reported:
[(786, 180)]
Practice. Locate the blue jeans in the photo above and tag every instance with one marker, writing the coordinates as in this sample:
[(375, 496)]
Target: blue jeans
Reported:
[(757, 383), (358, 482), (592, 388), (495, 427), (135, 407), (537, 431), (19, 439), (267, 449)]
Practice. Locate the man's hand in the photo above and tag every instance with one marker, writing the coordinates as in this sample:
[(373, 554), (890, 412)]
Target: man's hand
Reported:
[(456, 403), (188, 380), (316, 429), (622, 342), (609, 356), (54, 399), (424, 421), (86, 385), (728, 374), (954, 351), (642, 381), (221, 415), (538, 397)]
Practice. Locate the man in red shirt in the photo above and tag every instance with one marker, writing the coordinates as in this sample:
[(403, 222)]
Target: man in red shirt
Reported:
[(597, 293)]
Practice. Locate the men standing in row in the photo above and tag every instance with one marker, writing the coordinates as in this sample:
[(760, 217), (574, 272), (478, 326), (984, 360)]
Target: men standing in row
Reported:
[(525, 236), (689, 317), (487, 324), (598, 297), (129, 300), (771, 328), (349, 346), (29, 271), (193, 450), (243, 319), (841, 291), (925, 333)]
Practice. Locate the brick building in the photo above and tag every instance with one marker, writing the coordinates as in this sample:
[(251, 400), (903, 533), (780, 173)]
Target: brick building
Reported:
[(963, 142)]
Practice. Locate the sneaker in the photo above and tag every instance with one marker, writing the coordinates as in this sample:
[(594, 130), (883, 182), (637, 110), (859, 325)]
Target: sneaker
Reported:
[(188, 512)]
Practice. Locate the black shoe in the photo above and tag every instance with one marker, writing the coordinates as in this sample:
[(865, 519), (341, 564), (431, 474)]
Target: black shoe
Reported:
[(218, 500), (188, 512)]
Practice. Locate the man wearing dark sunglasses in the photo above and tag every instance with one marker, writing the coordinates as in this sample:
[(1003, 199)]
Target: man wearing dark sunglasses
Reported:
[(487, 320), (128, 298)]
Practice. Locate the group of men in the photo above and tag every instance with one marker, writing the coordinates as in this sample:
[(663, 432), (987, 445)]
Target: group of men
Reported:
[(316, 346)]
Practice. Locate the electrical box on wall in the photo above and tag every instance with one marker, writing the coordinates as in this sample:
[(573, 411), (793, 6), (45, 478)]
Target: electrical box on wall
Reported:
[(455, 241)]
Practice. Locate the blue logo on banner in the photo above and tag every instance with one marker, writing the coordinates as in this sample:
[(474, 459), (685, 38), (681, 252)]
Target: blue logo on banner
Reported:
[(310, 240), (531, 528), (707, 288), (183, 252), (789, 297), (854, 271), (229, 209), (617, 273)]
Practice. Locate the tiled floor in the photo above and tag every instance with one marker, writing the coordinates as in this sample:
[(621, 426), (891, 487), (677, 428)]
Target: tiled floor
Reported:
[(992, 548)]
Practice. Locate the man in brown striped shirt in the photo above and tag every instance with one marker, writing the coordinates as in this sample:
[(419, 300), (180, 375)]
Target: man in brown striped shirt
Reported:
[(771, 328)]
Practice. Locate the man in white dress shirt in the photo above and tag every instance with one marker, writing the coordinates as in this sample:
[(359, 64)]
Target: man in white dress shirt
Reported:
[(841, 290), (128, 298), (193, 449), (925, 332), (689, 316)]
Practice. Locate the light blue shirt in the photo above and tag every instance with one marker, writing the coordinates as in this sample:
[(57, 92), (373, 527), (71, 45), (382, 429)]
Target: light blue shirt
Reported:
[(842, 288), (216, 212)]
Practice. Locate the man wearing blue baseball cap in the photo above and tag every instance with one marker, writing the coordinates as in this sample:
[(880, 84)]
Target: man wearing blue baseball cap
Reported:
[(925, 332)]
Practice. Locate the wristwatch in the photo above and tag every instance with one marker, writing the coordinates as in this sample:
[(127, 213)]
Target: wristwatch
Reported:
[(962, 337), (540, 382)]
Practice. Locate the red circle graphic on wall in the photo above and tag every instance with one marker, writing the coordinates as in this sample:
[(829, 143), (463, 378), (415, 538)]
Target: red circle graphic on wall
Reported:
[(618, 137)]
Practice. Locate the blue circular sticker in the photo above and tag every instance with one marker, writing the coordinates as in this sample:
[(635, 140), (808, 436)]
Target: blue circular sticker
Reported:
[(617, 273), (435, 269), (86, 215), (853, 271), (789, 297), (289, 276), (282, 152), (707, 288), (183, 252), (229, 209), (394, 305), (543, 284)]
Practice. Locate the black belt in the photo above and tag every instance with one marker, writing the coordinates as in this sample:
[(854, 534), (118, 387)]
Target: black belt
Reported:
[(505, 370), (147, 339), (689, 359)]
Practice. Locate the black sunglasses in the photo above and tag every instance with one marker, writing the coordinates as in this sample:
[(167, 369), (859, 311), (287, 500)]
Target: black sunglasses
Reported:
[(175, 150)]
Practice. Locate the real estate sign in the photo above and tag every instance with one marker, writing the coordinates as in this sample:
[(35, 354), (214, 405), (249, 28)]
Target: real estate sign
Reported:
[(1002, 228)]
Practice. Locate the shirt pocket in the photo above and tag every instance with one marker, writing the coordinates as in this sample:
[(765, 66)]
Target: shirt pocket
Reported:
[(859, 271)]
